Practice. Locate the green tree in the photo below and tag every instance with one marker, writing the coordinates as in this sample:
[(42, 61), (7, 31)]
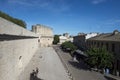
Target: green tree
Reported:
[(106, 58), (68, 45), (56, 39), (93, 57), (14, 20), (100, 58)]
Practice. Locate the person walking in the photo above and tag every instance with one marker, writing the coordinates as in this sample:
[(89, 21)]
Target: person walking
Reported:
[(37, 70)]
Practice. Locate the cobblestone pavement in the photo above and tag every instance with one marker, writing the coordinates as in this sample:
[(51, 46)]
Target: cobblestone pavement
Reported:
[(49, 66), (79, 71)]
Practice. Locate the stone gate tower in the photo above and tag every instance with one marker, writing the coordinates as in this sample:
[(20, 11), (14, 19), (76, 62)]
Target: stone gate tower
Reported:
[(45, 34)]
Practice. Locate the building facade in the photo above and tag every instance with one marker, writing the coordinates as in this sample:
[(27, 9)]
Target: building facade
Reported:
[(90, 35), (62, 39), (79, 41), (65, 37), (45, 34), (112, 43)]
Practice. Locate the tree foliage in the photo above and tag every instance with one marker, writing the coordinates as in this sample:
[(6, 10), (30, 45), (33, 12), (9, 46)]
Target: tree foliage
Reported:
[(56, 39), (100, 58), (14, 20), (68, 45)]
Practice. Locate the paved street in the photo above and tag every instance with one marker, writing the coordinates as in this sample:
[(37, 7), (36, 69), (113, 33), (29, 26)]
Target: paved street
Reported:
[(79, 71), (49, 66)]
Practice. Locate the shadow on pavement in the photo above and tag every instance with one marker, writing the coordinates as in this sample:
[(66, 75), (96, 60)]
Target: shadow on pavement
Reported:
[(33, 75), (80, 65), (109, 78)]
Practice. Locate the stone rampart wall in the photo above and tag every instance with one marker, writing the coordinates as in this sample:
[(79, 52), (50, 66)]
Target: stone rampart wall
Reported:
[(17, 46)]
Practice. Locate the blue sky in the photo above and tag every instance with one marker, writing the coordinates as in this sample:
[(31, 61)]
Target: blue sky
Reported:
[(72, 16)]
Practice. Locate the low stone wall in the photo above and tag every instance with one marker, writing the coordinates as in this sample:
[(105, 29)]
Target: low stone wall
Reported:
[(17, 46)]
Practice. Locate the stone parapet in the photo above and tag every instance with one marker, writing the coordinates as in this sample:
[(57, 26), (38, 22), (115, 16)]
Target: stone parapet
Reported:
[(7, 27)]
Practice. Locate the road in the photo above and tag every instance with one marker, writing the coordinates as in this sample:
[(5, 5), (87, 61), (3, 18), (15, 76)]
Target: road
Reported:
[(49, 66), (79, 71)]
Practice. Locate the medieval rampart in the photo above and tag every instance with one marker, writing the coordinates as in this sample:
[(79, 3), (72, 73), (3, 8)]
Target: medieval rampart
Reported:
[(17, 46)]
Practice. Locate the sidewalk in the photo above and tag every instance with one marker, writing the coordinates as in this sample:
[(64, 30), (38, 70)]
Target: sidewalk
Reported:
[(112, 77), (78, 70), (49, 66)]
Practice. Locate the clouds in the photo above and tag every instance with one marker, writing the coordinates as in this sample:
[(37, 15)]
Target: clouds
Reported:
[(113, 22), (30, 3), (51, 5), (98, 1), (109, 24)]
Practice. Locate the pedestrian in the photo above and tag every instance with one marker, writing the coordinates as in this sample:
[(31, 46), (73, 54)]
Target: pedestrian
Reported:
[(33, 73), (37, 70)]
